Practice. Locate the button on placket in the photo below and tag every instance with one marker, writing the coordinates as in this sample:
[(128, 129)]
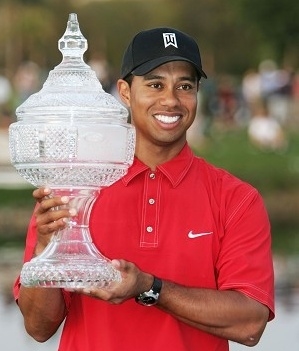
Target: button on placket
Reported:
[(149, 229), (151, 201), (150, 220)]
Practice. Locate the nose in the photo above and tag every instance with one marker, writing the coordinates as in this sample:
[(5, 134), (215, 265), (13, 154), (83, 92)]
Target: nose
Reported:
[(169, 97)]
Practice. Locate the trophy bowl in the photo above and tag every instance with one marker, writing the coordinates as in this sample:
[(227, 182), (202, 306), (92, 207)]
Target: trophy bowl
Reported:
[(74, 138)]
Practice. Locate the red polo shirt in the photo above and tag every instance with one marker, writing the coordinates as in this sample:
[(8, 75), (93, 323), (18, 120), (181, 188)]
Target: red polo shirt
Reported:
[(188, 222)]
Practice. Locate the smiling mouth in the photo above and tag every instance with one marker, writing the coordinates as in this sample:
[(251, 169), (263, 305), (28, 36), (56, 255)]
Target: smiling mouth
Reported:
[(167, 119)]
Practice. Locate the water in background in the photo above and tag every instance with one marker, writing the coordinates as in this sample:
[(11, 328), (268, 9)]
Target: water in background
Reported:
[(12, 333), (281, 334)]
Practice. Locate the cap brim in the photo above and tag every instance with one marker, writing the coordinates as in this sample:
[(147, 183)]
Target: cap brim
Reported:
[(150, 65)]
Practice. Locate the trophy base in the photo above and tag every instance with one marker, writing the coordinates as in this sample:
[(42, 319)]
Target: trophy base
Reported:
[(71, 260), (75, 273)]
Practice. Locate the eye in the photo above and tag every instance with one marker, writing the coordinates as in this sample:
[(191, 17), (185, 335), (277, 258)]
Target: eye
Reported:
[(185, 87), (155, 85)]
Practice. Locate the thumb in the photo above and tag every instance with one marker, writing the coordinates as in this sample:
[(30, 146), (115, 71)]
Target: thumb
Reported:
[(117, 264)]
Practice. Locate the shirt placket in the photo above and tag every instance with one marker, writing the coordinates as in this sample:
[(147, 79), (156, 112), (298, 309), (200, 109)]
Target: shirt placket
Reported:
[(151, 201)]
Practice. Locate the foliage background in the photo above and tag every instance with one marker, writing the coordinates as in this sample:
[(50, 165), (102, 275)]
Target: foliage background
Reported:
[(233, 35)]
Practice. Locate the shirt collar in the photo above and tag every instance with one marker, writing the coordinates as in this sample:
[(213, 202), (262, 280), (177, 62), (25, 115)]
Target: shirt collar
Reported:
[(174, 170)]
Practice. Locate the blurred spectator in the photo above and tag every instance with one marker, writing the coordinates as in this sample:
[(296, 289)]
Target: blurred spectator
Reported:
[(209, 104), (5, 90), (227, 99), (5, 120), (251, 90), (265, 132), (295, 96), (276, 90), (26, 81), (196, 132), (295, 86), (102, 68)]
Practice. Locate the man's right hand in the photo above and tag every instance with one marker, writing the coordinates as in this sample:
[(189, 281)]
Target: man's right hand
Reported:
[(52, 214)]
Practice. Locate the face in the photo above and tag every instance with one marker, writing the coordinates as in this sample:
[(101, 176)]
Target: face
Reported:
[(162, 103)]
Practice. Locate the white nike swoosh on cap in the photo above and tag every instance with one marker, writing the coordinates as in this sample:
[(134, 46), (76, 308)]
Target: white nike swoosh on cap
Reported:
[(192, 235)]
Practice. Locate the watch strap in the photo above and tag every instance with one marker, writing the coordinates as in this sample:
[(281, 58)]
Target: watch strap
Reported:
[(157, 285)]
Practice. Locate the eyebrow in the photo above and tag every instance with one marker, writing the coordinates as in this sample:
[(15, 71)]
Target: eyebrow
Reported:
[(150, 76)]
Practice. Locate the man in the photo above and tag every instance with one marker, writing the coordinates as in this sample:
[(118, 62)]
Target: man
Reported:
[(191, 241)]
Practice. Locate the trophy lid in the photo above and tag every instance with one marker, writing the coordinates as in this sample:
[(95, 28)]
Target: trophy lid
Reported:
[(72, 89)]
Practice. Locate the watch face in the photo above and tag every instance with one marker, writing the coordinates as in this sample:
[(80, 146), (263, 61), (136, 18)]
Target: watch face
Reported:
[(148, 300)]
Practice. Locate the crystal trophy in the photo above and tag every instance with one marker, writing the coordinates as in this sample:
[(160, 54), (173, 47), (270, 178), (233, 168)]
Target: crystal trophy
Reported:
[(73, 137)]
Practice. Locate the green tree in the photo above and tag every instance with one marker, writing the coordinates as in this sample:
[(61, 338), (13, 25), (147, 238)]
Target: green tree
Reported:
[(228, 45), (277, 22)]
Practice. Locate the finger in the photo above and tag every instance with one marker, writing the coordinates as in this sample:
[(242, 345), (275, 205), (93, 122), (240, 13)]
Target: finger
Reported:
[(98, 293), (40, 193), (121, 265), (52, 221), (51, 227), (57, 203), (117, 264)]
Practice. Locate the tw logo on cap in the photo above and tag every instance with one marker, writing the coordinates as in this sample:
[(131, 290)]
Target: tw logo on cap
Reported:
[(169, 39)]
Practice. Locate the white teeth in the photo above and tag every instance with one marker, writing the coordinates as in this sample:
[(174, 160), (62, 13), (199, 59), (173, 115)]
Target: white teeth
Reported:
[(167, 119)]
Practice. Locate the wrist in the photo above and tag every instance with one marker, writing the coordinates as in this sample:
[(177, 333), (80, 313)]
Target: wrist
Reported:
[(150, 297)]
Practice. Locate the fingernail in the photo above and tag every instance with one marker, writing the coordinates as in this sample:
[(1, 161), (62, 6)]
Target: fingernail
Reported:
[(72, 211), (65, 199)]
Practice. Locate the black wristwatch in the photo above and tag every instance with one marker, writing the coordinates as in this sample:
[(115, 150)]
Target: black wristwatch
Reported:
[(150, 298)]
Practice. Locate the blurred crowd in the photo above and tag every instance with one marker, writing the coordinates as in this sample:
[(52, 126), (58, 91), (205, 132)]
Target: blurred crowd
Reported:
[(265, 101)]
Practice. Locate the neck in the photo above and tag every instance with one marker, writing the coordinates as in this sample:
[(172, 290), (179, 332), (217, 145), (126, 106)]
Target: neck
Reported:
[(154, 155)]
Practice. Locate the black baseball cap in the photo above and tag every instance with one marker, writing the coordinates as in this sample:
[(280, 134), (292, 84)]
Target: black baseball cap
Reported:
[(151, 48)]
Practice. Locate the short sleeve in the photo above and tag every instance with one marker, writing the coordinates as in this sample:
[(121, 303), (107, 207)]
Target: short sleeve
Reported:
[(245, 262)]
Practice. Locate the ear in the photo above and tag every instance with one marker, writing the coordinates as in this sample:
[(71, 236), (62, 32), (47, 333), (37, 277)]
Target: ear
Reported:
[(124, 91)]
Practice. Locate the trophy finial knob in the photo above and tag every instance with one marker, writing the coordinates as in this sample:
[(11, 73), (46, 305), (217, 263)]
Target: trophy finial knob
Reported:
[(72, 43)]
